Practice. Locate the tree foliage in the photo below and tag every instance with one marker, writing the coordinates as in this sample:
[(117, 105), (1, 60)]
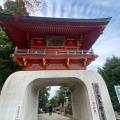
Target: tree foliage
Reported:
[(32, 6), (16, 8), (43, 96), (111, 74), (54, 101), (7, 65), (60, 96), (1, 9)]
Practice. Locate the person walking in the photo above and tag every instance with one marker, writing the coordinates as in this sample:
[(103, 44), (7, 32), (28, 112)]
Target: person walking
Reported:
[(50, 109)]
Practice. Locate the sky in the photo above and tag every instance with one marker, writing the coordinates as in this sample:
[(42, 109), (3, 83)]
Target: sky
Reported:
[(108, 43)]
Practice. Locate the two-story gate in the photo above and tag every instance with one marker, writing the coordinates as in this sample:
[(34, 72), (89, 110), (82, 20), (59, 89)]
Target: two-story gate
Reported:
[(54, 51)]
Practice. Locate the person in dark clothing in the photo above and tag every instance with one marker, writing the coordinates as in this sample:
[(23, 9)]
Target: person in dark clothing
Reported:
[(50, 110)]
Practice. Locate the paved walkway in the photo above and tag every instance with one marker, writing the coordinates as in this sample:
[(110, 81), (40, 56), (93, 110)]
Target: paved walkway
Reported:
[(53, 117)]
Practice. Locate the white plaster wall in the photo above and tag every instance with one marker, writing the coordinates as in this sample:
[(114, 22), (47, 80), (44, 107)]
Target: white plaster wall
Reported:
[(80, 103), (21, 89)]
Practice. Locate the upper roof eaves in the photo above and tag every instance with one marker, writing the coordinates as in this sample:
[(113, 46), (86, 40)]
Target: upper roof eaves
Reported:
[(51, 19)]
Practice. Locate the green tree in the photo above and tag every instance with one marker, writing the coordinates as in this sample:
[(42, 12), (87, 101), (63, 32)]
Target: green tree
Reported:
[(32, 6), (7, 65), (54, 101), (16, 8), (111, 74), (60, 96), (43, 96), (1, 9)]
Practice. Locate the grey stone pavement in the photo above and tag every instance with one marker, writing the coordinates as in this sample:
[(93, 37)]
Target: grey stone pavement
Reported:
[(53, 117)]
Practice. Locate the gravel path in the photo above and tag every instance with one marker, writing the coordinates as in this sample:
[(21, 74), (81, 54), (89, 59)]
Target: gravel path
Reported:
[(53, 117)]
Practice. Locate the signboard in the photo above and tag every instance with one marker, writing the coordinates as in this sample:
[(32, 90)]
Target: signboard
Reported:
[(55, 41), (117, 89), (98, 98)]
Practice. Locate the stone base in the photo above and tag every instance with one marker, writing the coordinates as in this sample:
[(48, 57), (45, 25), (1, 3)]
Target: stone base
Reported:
[(19, 96)]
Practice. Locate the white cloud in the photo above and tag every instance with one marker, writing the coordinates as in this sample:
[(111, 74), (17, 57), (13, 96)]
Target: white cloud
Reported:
[(1, 2), (99, 2), (105, 48)]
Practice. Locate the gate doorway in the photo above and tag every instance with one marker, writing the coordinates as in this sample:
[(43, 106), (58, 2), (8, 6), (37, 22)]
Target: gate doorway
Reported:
[(79, 100), (79, 95)]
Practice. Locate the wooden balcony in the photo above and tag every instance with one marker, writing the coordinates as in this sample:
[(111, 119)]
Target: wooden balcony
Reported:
[(48, 59), (49, 52)]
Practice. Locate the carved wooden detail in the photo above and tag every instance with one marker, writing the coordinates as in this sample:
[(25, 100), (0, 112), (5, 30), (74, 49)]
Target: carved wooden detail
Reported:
[(55, 41)]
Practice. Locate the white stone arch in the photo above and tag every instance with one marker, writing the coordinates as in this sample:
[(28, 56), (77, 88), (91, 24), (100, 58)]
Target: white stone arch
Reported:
[(73, 83), (21, 89)]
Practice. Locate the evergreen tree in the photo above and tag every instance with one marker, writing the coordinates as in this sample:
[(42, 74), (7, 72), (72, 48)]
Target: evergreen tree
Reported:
[(111, 74), (60, 96), (1, 9), (7, 65), (43, 96)]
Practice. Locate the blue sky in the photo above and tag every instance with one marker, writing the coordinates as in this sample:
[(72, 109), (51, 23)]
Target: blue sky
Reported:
[(108, 43)]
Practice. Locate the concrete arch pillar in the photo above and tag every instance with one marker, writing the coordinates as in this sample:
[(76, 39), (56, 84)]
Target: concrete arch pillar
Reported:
[(19, 95)]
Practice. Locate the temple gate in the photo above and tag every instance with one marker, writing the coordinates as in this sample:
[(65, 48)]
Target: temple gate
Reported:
[(54, 51)]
